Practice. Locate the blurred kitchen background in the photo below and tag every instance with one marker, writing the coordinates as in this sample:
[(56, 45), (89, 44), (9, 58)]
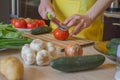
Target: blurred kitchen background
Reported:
[(29, 8), (19, 8)]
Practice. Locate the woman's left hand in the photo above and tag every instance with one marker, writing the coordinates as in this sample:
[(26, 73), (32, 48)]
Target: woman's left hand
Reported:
[(79, 21)]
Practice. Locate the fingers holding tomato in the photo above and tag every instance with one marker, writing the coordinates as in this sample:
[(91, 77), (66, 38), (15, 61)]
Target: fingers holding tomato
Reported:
[(60, 34)]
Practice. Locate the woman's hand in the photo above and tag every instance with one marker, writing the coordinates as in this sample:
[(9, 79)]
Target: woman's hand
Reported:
[(79, 21), (44, 7)]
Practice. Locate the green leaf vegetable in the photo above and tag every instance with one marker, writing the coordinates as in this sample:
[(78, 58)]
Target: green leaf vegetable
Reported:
[(8, 31), (12, 38)]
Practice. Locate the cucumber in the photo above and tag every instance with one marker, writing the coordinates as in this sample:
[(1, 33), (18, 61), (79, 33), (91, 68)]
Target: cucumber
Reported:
[(41, 30), (77, 63)]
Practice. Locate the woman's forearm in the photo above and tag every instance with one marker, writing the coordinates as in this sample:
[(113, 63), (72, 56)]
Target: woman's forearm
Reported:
[(45, 0), (98, 8)]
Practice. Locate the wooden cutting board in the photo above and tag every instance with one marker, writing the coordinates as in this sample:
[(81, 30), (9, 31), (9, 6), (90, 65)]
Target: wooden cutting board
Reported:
[(50, 38)]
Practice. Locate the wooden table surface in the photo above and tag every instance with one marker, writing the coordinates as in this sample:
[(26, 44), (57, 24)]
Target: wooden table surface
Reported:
[(34, 72)]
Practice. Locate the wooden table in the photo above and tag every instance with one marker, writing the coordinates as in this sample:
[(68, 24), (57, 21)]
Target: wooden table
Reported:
[(34, 72)]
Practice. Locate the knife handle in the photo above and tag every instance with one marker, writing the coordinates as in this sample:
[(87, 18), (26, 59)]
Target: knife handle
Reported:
[(49, 16), (54, 20)]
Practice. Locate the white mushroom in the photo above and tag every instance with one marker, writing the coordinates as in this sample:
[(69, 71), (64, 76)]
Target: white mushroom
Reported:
[(42, 58), (28, 54), (37, 45)]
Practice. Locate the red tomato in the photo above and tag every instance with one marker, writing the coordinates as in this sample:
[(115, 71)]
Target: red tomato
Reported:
[(20, 23), (31, 25), (36, 20), (13, 20), (40, 22), (60, 34)]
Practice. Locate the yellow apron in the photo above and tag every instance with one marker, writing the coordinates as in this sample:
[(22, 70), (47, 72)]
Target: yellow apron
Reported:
[(66, 8)]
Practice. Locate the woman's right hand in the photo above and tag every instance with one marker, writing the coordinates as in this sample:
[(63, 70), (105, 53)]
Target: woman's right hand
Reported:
[(79, 21), (44, 7)]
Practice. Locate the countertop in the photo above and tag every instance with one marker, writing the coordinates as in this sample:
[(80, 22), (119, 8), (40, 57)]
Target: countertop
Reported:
[(34, 72), (112, 14)]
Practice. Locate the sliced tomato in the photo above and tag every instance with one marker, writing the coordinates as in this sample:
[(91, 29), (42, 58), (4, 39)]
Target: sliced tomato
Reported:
[(60, 34)]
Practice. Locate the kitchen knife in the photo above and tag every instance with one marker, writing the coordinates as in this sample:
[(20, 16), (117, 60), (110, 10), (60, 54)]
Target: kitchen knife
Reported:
[(59, 24)]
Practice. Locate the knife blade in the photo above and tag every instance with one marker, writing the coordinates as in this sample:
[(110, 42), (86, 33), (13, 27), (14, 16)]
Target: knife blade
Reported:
[(59, 24)]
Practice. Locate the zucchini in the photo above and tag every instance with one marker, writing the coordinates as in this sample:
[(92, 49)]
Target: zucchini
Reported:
[(41, 30), (77, 63)]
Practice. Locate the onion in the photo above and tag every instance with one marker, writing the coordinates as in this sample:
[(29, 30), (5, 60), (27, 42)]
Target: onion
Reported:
[(73, 50)]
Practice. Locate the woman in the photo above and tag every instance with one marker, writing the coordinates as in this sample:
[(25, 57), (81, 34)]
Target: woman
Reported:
[(83, 17)]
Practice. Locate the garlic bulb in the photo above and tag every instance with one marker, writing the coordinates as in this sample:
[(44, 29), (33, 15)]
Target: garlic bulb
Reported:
[(28, 54), (52, 50), (42, 58), (37, 45), (49, 44)]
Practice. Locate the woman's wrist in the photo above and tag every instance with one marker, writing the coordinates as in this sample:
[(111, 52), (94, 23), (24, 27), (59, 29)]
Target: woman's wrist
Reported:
[(45, 0), (89, 18)]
